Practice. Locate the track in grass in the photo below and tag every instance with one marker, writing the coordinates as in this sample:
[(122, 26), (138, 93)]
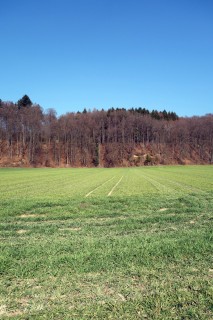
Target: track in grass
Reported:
[(115, 186), (88, 194)]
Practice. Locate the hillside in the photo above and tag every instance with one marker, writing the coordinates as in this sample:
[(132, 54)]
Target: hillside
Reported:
[(116, 137)]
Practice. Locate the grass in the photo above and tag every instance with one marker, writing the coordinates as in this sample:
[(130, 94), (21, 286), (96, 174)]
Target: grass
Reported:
[(142, 252)]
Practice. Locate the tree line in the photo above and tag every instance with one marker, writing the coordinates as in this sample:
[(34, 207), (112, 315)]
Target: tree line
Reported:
[(30, 136)]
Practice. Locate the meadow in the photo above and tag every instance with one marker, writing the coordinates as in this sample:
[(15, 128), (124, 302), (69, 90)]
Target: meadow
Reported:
[(120, 243)]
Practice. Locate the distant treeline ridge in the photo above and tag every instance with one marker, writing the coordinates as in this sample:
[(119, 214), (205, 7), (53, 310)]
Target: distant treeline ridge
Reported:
[(30, 136)]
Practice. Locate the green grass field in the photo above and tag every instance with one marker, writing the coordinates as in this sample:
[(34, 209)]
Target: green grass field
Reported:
[(133, 243)]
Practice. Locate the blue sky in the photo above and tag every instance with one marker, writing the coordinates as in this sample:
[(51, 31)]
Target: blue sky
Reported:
[(72, 54)]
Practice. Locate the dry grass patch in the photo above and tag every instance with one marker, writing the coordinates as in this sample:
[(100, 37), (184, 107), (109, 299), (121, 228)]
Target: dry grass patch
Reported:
[(31, 215), (4, 312), (21, 231), (192, 222), (70, 229), (24, 301)]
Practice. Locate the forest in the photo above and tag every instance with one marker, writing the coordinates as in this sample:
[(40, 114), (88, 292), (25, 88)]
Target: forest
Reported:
[(32, 137)]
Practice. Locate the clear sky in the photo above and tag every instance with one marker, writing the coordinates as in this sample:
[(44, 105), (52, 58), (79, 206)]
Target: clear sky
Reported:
[(72, 54)]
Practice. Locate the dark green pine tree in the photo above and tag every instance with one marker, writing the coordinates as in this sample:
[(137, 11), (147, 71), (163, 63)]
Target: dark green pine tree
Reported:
[(24, 102)]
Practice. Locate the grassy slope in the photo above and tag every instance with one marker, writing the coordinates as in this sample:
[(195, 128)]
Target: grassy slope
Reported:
[(145, 252)]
